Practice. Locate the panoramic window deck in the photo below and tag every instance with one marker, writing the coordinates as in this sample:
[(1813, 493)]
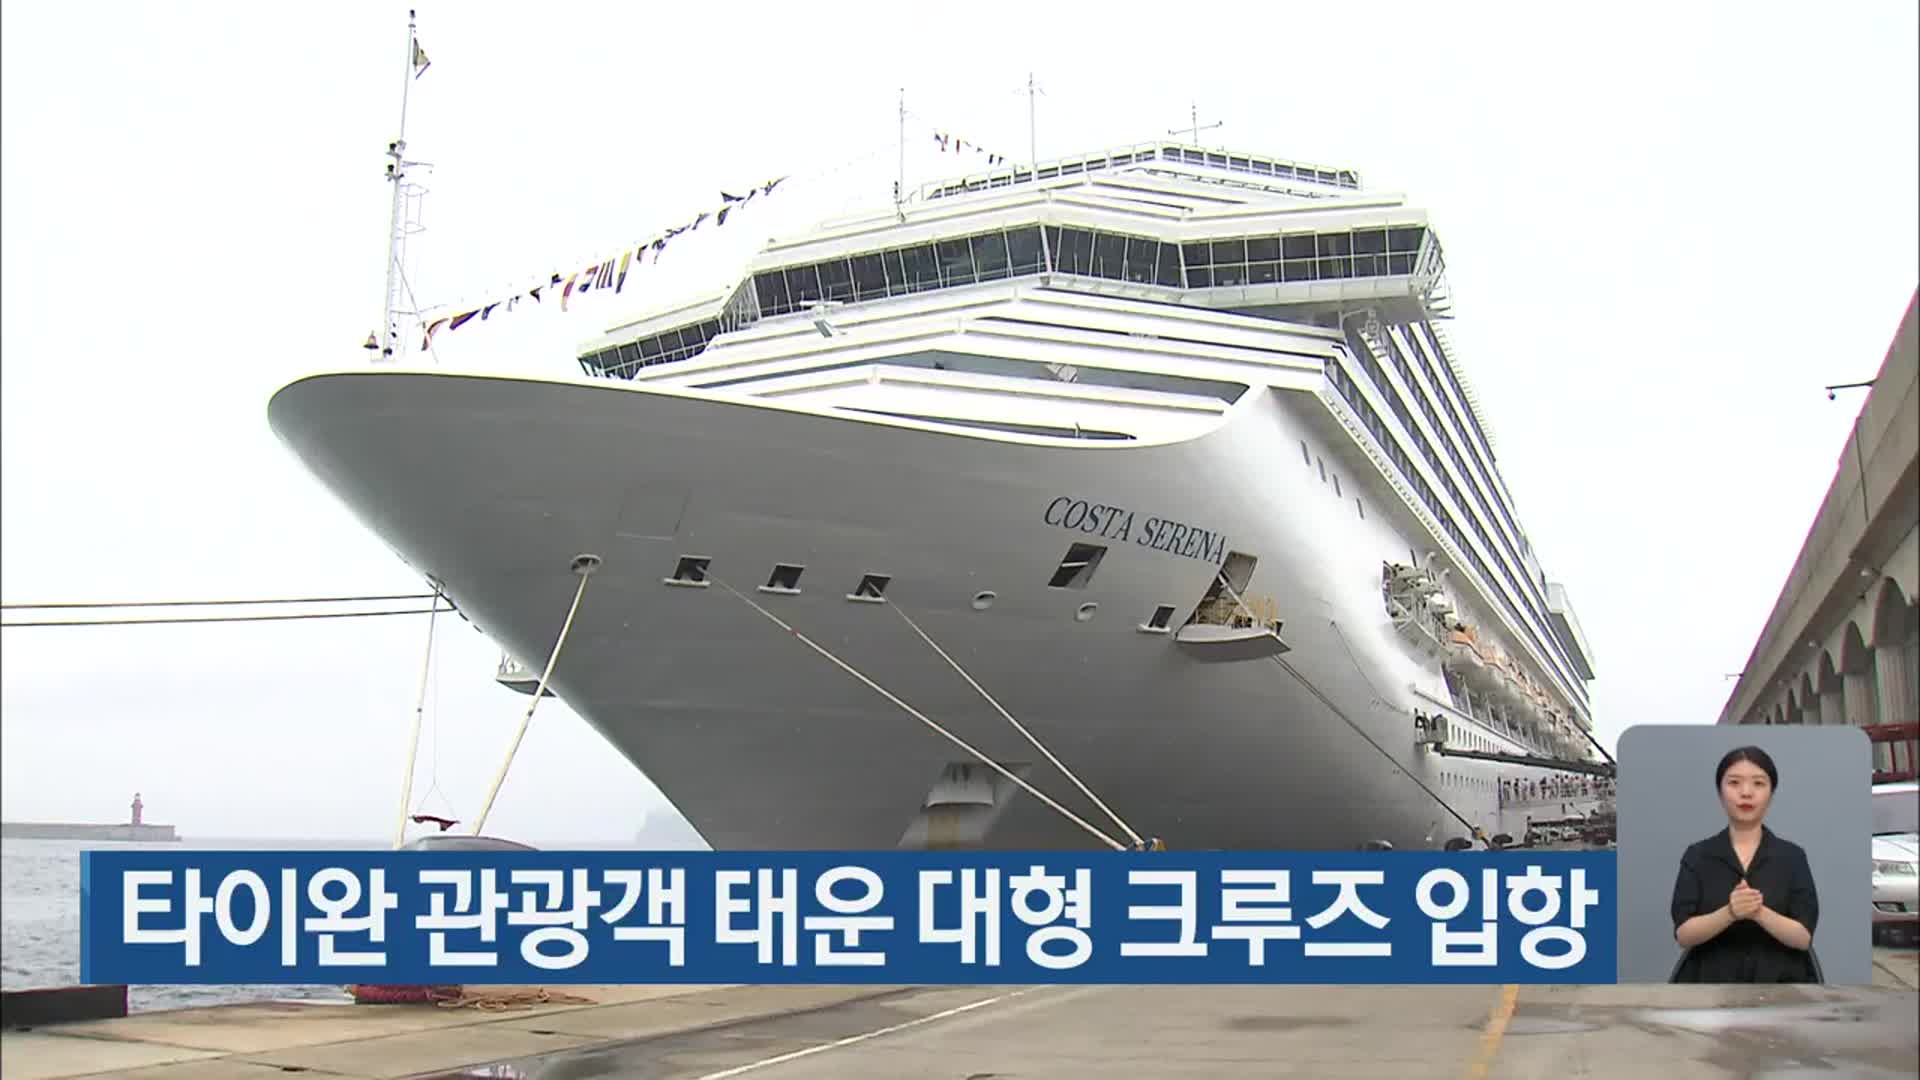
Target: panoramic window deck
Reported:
[(1001, 254), (1318, 256)]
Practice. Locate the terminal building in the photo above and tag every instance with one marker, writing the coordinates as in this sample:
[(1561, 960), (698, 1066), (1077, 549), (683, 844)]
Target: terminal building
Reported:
[(1842, 645)]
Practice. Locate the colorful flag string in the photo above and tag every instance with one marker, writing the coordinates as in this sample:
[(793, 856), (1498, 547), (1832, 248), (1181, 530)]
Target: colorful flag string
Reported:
[(608, 273), (958, 145), (611, 273)]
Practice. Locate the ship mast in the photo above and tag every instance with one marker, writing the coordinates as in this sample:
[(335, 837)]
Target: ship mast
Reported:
[(1193, 130), (900, 178), (391, 345), (1033, 140)]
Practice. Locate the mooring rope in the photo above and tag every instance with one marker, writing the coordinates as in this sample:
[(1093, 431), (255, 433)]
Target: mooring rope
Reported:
[(502, 999), (1021, 728), (219, 619), (584, 566), (1338, 712), (1357, 730), (419, 710), (924, 719), (217, 603)]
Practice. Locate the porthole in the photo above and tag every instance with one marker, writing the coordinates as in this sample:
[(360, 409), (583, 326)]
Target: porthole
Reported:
[(1085, 611), (983, 599)]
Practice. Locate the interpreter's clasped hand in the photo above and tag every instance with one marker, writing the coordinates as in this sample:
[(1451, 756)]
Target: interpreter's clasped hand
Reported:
[(1745, 901)]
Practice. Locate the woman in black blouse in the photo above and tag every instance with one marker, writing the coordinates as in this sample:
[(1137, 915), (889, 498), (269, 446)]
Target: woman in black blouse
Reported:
[(1744, 904)]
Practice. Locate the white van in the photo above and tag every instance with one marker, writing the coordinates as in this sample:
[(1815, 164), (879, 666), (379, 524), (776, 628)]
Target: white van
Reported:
[(1896, 850)]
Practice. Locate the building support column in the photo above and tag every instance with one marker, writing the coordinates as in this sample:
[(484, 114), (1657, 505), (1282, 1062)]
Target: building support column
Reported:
[(1833, 709), (1897, 704), (1859, 691)]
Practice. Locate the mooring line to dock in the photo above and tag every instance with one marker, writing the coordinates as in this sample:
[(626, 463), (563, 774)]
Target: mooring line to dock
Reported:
[(1472, 830), (419, 712), (1021, 728), (221, 618), (924, 719), (1357, 730), (583, 567), (219, 603), (1355, 661)]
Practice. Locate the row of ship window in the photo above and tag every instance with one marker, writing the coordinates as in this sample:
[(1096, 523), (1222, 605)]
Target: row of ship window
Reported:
[(1460, 424), (1010, 253), (1024, 252), (901, 271), (1454, 779), (1307, 455), (1351, 392), (1141, 260), (1358, 508), (681, 343), (1527, 593), (1075, 571), (1261, 260)]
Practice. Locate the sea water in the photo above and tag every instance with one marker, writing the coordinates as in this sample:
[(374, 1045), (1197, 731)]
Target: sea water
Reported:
[(40, 920)]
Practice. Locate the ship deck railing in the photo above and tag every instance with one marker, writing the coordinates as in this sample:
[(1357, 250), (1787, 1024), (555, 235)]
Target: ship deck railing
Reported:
[(1158, 150)]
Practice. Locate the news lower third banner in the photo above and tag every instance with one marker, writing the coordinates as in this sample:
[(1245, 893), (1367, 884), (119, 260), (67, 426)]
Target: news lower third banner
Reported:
[(904, 918)]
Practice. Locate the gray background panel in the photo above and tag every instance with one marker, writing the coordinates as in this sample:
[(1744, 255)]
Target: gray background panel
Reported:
[(1668, 800)]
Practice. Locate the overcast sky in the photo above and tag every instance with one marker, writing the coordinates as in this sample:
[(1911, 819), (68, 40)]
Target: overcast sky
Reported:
[(1667, 227)]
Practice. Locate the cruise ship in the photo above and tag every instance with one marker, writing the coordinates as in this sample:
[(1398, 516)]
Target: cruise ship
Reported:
[(1132, 497)]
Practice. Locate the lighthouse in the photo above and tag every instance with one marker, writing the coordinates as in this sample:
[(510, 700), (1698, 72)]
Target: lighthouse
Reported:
[(135, 829)]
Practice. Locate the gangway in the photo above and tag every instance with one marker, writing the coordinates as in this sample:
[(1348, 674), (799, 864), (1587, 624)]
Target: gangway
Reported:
[(1590, 768), (1431, 732)]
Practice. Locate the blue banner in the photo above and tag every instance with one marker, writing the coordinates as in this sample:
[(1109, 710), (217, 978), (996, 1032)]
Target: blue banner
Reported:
[(911, 918)]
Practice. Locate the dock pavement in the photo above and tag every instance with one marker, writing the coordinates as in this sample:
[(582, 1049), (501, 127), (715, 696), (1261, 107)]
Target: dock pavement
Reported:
[(1003, 1033)]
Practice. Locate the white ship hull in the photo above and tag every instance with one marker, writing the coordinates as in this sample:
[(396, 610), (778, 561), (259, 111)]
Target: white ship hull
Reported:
[(492, 486)]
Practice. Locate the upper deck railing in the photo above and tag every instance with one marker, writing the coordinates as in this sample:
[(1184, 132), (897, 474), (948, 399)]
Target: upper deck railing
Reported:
[(1171, 153)]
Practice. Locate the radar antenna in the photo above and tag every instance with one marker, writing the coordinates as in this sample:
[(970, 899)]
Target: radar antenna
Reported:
[(900, 178), (1194, 127), (1034, 93)]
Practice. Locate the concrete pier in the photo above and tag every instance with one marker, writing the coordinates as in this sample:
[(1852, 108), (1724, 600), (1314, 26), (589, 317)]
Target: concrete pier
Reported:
[(782, 1033), (123, 833)]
